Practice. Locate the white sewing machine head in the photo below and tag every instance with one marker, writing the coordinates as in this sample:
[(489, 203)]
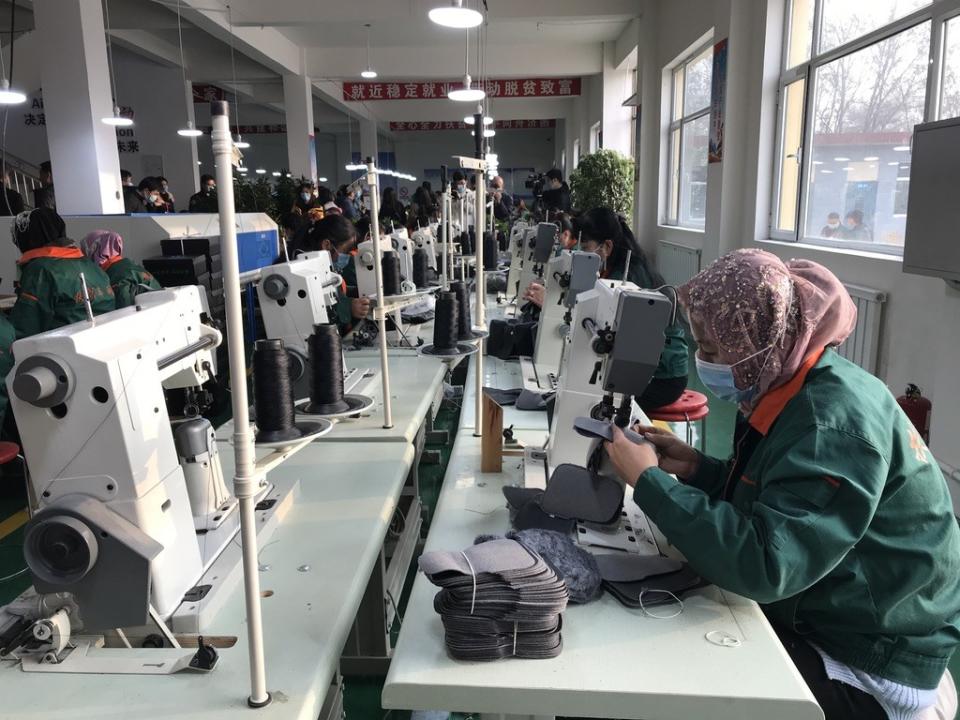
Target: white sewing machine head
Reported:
[(423, 239), (113, 523)]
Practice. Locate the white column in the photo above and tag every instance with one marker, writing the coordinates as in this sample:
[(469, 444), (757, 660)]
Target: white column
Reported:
[(616, 88), (298, 103), (648, 186), (368, 140), (76, 95)]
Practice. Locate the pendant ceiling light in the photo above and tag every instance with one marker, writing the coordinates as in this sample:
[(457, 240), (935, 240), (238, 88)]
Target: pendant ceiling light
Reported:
[(116, 119), (455, 15), (487, 120), (189, 131), (468, 93), (9, 96), (369, 73)]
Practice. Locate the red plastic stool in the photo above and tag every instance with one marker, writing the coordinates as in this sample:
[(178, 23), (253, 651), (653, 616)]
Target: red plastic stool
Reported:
[(691, 407), (8, 452)]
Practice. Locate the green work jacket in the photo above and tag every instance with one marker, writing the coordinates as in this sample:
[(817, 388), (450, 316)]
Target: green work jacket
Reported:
[(50, 292), (834, 515), (128, 280), (7, 336), (675, 356)]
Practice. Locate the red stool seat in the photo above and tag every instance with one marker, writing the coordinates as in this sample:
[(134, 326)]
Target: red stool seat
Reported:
[(8, 452), (693, 416), (687, 403)]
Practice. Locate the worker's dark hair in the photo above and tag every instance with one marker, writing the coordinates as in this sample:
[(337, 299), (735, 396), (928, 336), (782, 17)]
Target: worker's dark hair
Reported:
[(324, 195), (426, 186), (291, 221), (124, 174), (45, 166), (204, 178), (162, 179), (856, 216), (554, 174), (306, 184), (564, 222), (458, 176), (602, 223), (150, 184), (363, 228), (337, 229)]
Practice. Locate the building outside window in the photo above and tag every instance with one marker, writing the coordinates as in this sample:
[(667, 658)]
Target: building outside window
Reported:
[(856, 77), (688, 138)]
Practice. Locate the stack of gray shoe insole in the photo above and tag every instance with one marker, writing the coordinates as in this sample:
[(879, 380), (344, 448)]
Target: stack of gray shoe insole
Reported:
[(498, 599)]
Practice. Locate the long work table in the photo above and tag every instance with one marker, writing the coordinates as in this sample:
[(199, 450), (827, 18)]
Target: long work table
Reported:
[(616, 662)]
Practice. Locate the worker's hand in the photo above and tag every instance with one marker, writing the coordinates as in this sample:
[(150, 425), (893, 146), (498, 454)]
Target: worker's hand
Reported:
[(360, 307), (629, 459), (676, 457), (534, 293)]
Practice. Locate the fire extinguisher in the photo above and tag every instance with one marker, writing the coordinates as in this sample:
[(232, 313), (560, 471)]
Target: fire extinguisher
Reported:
[(918, 409)]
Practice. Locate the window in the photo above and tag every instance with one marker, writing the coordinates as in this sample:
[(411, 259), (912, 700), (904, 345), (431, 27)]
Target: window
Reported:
[(576, 154), (855, 80), (596, 135), (688, 138)]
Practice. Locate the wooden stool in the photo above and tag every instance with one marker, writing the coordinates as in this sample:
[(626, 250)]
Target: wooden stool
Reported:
[(691, 407)]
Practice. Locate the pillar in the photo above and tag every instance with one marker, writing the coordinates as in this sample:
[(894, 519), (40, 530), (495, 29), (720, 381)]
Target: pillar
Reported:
[(648, 146), (368, 139), (76, 95), (301, 145), (616, 88)]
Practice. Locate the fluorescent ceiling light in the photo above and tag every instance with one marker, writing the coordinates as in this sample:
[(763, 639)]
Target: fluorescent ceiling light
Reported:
[(189, 130), (369, 73), (818, 162), (323, 179), (240, 143), (871, 158), (487, 120), (827, 172), (261, 171), (242, 169), (468, 93), (116, 120), (487, 133), (455, 15), (893, 163), (841, 159), (902, 148), (8, 96), (848, 168), (276, 173)]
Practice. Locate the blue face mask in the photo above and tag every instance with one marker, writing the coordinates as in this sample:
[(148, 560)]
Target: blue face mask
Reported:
[(306, 196), (341, 262), (720, 380)]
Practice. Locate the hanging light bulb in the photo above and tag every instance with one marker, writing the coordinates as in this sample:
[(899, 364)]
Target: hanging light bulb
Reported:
[(487, 120), (117, 120), (275, 173), (8, 96), (321, 179), (241, 143), (189, 130), (487, 132), (455, 15), (468, 93), (369, 73)]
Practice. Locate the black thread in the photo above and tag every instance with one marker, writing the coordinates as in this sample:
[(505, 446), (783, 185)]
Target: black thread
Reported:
[(391, 273), (489, 251), (420, 264), (273, 392), (445, 321), (464, 323), (326, 368)]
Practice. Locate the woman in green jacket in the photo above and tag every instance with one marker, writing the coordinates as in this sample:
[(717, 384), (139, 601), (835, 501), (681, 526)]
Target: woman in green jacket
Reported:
[(832, 513), (607, 234), (105, 248), (50, 291), (338, 236)]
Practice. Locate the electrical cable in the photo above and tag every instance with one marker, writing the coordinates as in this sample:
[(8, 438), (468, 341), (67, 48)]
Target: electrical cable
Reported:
[(17, 574), (113, 77)]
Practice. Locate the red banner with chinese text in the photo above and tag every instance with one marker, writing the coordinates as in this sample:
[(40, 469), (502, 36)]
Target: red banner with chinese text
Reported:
[(524, 87), (460, 125)]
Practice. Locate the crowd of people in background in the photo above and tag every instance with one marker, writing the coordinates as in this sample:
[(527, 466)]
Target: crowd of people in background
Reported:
[(852, 227)]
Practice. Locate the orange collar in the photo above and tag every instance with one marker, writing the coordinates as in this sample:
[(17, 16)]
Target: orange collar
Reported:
[(773, 403), (51, 251), (106, 264)]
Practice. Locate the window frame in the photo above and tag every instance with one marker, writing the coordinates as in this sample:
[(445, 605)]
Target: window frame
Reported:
[(674, 175), (937, 12)]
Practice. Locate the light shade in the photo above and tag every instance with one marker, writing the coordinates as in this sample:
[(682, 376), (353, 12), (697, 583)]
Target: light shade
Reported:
[(455, 15), (487, 120), (321, 179), (240, 143), (117, 120), (242, 169), (276, 173), (261, 171), (189, 130), (487, 132), (468, 93), (8, 96), (369, 73)]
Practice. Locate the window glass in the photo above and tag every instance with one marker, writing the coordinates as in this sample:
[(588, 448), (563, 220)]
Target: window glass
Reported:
[(846, 20), (673, 211), (950, 88), (693, 172), (791, 156), (696, 84), (800, 36), (865, 106)]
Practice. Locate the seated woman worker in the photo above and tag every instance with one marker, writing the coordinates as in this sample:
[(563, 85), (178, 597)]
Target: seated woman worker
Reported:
[(105, 248), (338, 236), (832, 513), (50, 291)]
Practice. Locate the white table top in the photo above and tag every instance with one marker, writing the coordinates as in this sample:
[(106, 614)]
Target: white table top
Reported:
[(336, 526), (616, 662), (505, 375)]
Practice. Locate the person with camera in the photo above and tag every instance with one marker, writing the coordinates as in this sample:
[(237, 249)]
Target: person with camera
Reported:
[(556, 192)]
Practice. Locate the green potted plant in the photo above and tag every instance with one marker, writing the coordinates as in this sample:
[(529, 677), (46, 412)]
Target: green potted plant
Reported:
[(603, 178)]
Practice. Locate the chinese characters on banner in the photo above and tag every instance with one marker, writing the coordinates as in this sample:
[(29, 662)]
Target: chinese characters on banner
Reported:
[(530, 87), (718, 98), (460, 125), (207, 93), (251, 129), (127, 141)]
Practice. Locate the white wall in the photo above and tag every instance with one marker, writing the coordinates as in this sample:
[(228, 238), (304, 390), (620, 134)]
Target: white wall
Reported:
[(919, 342)]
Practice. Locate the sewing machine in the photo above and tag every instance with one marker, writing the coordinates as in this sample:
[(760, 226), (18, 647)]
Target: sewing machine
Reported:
[(294, 296), (517, 235), (130, 518), (403, 246), (538, 247), (568, 274), (424, 239)]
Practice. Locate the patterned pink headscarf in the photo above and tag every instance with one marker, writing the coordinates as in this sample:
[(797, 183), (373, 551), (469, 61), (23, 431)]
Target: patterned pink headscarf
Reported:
[(102, 245), (750, 299)]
